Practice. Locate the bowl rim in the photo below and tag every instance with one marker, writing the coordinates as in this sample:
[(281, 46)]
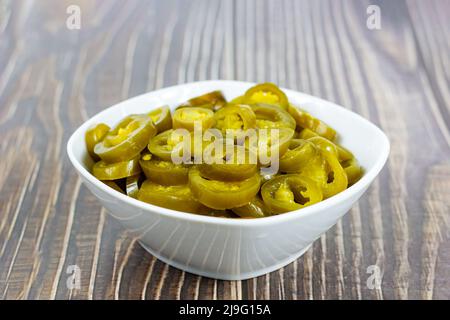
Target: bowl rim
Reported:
[(341, 197)]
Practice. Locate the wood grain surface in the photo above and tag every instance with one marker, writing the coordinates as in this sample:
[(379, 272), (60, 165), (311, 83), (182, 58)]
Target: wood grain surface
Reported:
[(52, 79)]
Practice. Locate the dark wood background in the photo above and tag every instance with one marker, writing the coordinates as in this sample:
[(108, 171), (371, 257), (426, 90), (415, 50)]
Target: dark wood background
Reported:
[(52, 79)]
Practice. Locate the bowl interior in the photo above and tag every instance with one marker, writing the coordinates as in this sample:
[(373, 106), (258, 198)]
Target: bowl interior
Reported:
[(367, 142)]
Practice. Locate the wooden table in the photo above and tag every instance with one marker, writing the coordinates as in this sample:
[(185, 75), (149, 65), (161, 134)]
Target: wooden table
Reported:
[(53, 78)]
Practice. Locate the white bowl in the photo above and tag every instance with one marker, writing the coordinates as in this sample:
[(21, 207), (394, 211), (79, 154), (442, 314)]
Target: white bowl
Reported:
[(232, 249)]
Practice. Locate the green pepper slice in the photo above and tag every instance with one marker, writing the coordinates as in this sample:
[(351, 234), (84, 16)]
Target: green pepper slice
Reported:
[(290, 192), (270, 116), (162, 118), (235, 118), (94, 135), (337, 180), (178, 198), (113, 171), (306, 134), (300, 155), (165, 172), (113, 184), (237, 100), (266, 146), (353, 170), (223, 195), (132, 185), (324, 144), (237, 165), (254, 209), (266, 93), (212, 100), (306, 121), (188, 116), (163, 144), (127, 139)]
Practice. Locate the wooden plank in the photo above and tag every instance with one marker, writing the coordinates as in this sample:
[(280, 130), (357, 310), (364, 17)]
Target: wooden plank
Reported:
[(52, 79)]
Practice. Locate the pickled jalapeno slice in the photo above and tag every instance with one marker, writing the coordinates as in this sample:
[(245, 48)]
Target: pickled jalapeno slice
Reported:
[(127, 139), (223, 195), (187, 117), (162, 118), (290, 192), (212, 100), (118, 170), (178, 198), (165, 172), (266, 93), (94, 135), (270, 116)]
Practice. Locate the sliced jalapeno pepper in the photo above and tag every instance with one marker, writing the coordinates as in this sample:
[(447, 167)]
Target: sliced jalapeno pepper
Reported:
[(94, 135), (132, 185), (266, 145), (306, 134), (163, 144), (178, 198), (344, 154), (113, 171), (290, 192), (336, 178), (324, 144), (162, 118), (270, 116), (266, 93), (165, 172), (237, 100), (235, 118), (307, 121), (113, 184), (127, 139), (188, 116), (237, 165), (212, 100), (300, 155), (223, 195), (353, 170), (254, 209)]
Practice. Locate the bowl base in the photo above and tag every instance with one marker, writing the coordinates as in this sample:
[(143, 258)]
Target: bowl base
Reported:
[(219, 276)]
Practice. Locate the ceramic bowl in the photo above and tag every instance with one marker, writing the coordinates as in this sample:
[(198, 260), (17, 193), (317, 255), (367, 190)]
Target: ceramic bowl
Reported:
[(232, 249)]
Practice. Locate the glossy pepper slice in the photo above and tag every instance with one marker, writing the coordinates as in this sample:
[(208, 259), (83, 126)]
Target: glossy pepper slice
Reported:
[(94, 135), (254, 209), (272, 140), (353, 170), (238, 164), (132, 185), (266, 93), (235, 118), (163, 144), (178, 198), (113, 184), (165, 172), (306, 121), (270, 116), (212, 100), (118, 170), (127, 139), (187, 117), (162, 118), (324, 144), (336, 177), (223, 195), (300, 155), (290, 192)]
